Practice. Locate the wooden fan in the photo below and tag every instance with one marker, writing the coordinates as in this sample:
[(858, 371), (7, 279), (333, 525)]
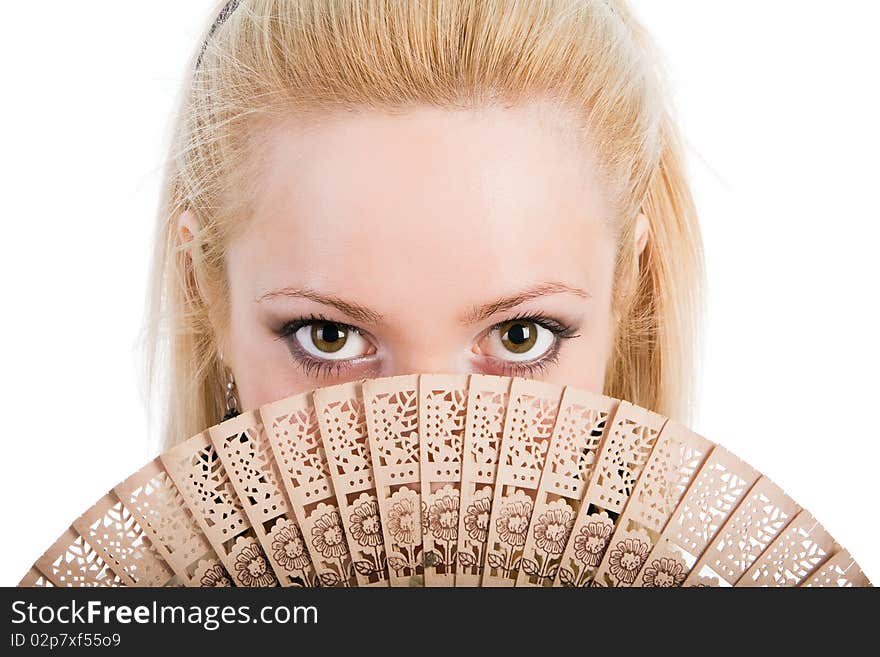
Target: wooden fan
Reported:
[(446, 480)]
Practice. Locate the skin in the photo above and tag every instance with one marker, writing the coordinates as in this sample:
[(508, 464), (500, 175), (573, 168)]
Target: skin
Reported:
[(413, 238)]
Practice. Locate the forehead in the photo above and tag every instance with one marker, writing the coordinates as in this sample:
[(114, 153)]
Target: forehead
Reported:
[(430, 199)]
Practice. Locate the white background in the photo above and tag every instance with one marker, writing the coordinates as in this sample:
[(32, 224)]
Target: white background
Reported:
[(779, 105)]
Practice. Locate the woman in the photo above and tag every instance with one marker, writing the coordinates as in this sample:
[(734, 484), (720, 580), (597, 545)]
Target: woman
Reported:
[(371, 188)]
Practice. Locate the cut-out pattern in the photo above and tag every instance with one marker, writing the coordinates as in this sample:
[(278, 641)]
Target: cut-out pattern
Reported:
[(442, 421), (341, 417), (793, 557), (624, 455), (246, 454), (110, 528), (391, 405), (839, 571), (154, 501), (758, 519), (577, 435), (295, 438), (625, 451), (677, 456), (72, 562), (484, 428), (528, 427), (719, 486), (196, 469)]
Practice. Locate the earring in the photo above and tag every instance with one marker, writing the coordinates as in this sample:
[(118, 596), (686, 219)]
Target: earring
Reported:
[(232, 408)]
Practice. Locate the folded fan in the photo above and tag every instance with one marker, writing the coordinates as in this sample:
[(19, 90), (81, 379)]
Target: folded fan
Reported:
[(446, 480)]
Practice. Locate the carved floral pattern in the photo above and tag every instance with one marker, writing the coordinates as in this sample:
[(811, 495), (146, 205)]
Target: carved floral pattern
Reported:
[(402, 522), (252, 568), (443, 518), (404, 538), (664, 572), (476, 519), (215, 576), (192, 515), (513, 522), (289, 549), (366, 528), (591, 541), (552, 529), (328, 537), (627, 559)]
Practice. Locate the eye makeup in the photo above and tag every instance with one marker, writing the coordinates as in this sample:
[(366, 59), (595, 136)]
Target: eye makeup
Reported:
[(328, 368), (314, 366)]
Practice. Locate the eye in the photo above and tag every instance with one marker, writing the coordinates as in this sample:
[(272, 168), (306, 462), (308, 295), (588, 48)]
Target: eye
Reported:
[(519, 340), (331, 341)]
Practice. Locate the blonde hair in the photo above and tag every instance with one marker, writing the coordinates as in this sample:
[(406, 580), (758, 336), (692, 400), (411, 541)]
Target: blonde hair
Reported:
[(270, 58)]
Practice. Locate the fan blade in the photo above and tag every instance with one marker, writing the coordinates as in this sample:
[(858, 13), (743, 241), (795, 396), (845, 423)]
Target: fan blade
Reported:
[(757, 520), (720, 485), (295, 438), (528, 426), (622, 457), (486, 411), (71, 561), (391, 405), (196, 469), (675, 460), (114, 532), (247, 457), (839, 571), (340, 413), (793, 556), (574, 447), (442, 419), (157, 505)]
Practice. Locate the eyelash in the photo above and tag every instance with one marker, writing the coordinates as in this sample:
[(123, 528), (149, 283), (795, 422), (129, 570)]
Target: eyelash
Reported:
[(327, 368), (530, 369), (311, 365)]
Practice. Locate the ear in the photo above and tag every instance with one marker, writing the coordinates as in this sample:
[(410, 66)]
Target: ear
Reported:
[(186, 226), (642, 229)]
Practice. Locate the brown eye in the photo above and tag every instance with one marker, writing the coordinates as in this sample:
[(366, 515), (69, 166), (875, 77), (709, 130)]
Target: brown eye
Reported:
[(329, 337), (518, 336), (326, 340), (520, 340)]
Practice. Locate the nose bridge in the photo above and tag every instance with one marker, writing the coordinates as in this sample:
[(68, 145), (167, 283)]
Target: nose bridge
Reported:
[(426, 356), (424, 335), (428, 361)]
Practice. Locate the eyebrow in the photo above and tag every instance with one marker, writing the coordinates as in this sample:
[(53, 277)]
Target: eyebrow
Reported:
[(486, 310), (476, 314), (350, 308)]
